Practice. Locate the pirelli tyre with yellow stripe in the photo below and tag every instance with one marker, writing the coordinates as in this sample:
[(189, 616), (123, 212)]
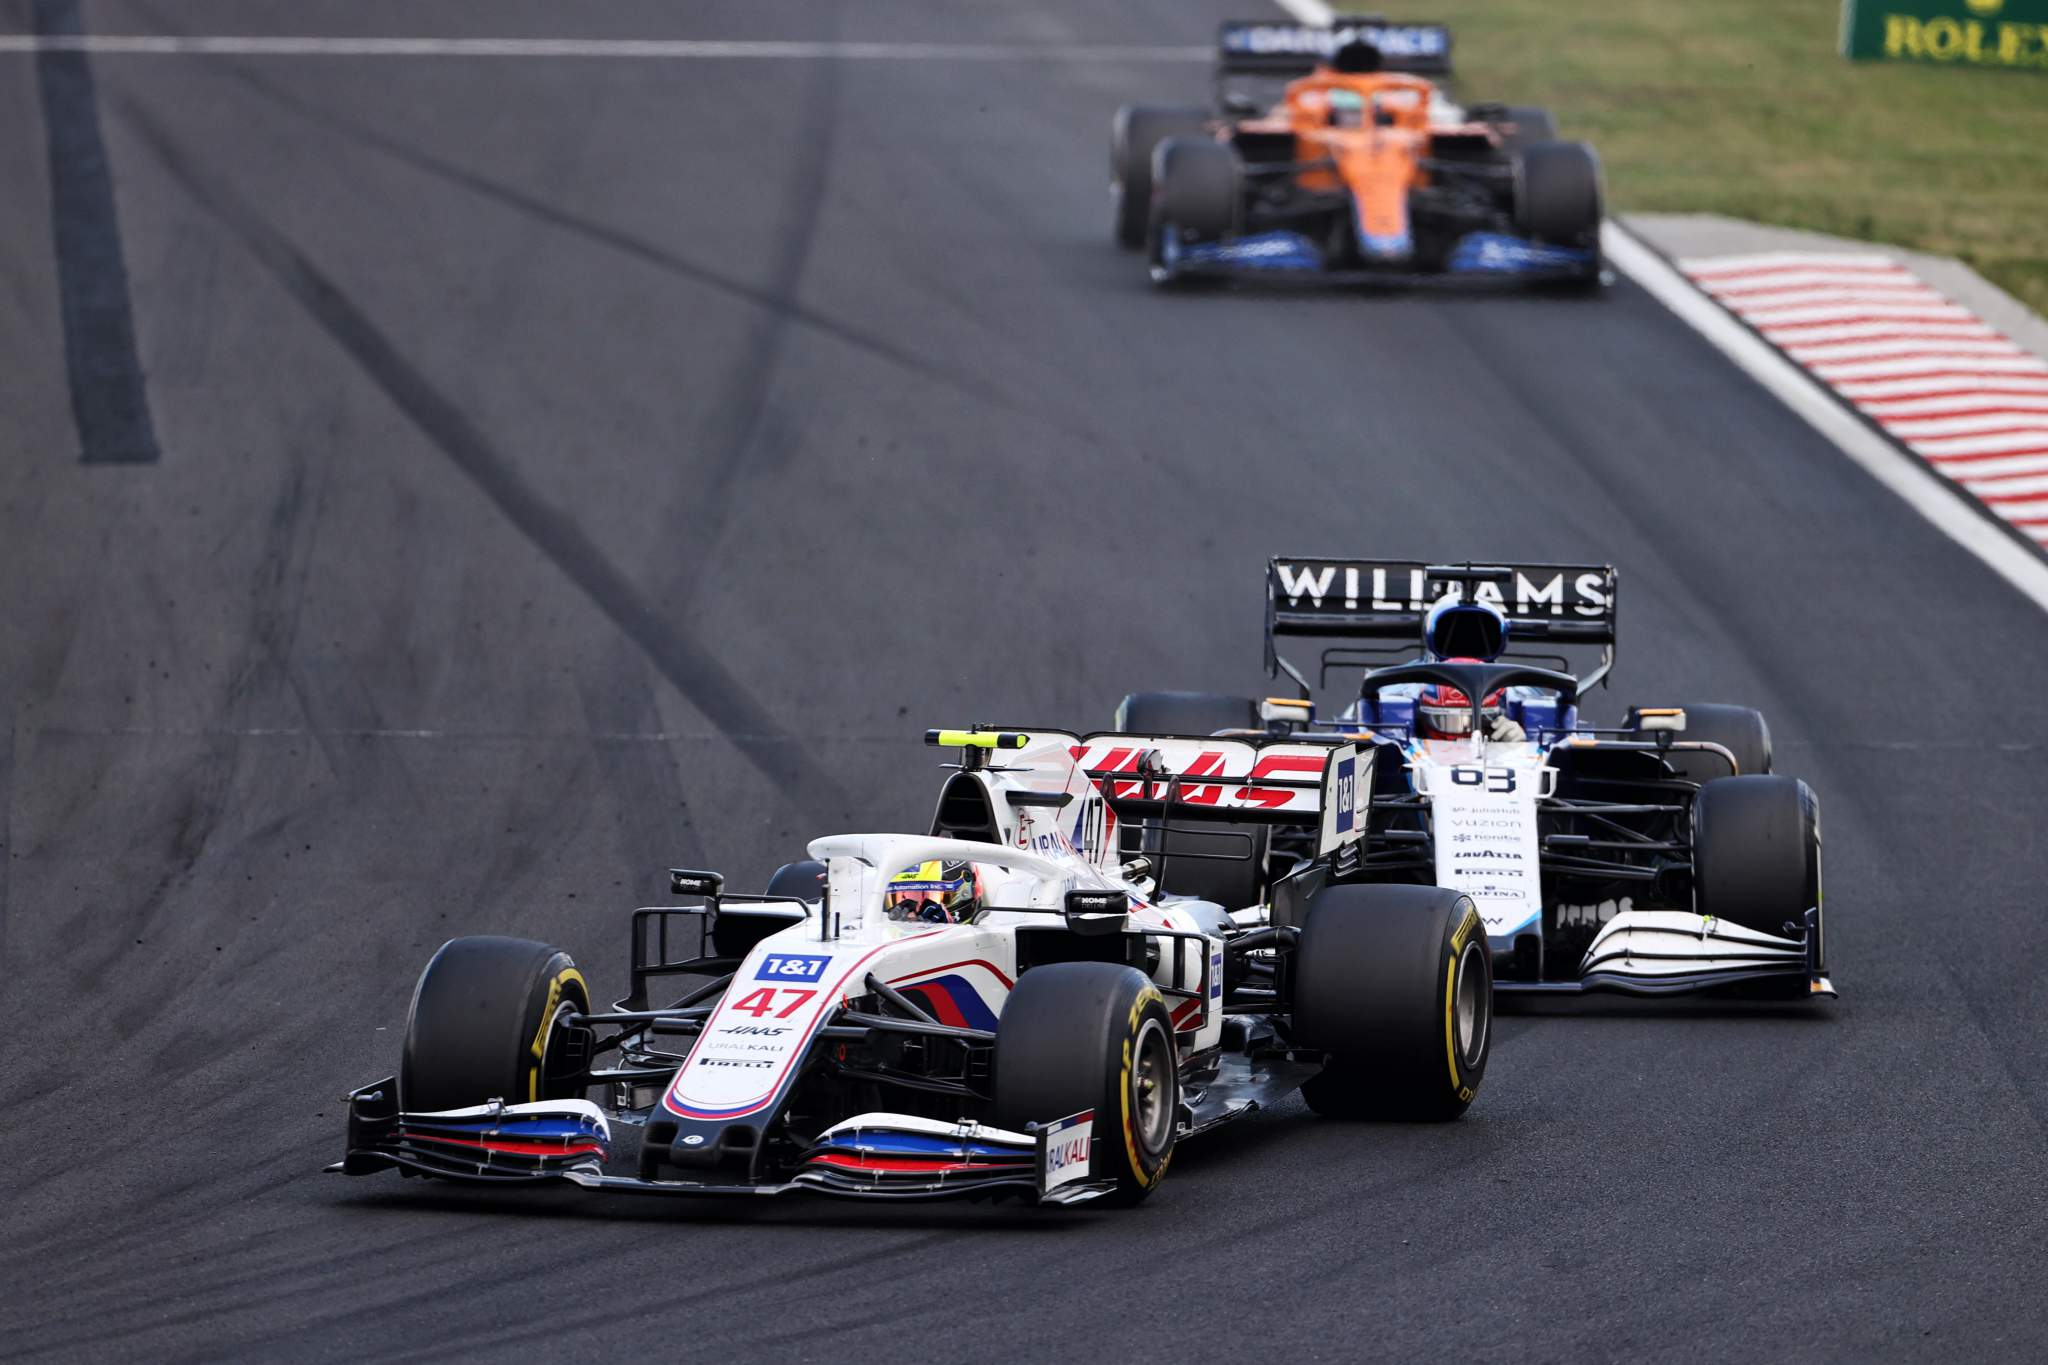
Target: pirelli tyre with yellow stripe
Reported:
[(1026, 1002)]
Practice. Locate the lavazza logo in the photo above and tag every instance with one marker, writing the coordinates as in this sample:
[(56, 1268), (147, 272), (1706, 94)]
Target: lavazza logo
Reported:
[(1367, 587)]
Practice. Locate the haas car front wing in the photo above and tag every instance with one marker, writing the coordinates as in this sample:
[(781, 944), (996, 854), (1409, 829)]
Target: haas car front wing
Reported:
[(885, 1156)]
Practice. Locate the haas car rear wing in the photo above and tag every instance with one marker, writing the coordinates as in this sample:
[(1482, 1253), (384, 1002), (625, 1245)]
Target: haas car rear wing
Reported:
[(1256, 47), (1382, 599), (1324, 786)]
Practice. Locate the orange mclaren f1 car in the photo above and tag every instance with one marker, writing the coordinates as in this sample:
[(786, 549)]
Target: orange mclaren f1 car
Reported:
[(1362, 172)]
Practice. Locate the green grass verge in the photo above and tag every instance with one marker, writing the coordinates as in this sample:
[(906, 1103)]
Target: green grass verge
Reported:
[(1744, 107)]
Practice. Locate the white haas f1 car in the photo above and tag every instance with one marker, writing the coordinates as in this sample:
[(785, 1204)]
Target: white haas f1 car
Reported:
[(1661, 855), (1054, 1044)]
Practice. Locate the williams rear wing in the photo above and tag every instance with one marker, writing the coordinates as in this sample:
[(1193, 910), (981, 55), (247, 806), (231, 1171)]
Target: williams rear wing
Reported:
[(1258, 47), (1549, 605)]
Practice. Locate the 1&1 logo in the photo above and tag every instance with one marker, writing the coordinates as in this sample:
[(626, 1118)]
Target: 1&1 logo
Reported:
[(791, 967)]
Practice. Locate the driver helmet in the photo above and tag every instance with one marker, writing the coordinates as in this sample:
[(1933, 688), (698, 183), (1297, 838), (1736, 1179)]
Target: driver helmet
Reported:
[(934, 892), (1446, 713)]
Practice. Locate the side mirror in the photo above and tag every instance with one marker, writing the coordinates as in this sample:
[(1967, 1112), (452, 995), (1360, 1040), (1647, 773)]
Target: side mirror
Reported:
[(1094, 913), (683, 881), (1670, 719)]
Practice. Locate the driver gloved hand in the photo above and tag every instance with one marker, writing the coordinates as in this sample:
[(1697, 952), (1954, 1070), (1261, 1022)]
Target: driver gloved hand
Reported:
[(1506, 731)]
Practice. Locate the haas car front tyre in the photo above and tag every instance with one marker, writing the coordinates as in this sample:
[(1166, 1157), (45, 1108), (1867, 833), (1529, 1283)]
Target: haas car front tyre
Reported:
[(489, 1021), (1082, 1036), (1395, 984)]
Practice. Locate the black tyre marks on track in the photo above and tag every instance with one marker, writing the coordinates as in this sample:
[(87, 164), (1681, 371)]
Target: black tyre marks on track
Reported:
[(689, 666), (109, 401)]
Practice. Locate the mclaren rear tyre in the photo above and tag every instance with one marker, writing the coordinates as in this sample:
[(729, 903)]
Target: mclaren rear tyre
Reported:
[(1738, 729), (1756, 853), (1093, 1036), (1133, 133), (1232, 883), (1395, 984), (489, 1021), (1197, 197), (1522, 125)]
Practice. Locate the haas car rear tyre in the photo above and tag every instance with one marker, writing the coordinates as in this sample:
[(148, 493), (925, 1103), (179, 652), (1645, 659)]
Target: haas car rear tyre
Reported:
[(489, 1022), (1756, 853), (802, 880), (1395, 983), (1738, 729), (1080, 1036), (1231, 883), (1133, 133)]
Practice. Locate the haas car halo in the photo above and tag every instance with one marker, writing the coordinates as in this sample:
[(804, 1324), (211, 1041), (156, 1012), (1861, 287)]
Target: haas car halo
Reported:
[(1051, 1040), (1656, 856), (1358, 170)]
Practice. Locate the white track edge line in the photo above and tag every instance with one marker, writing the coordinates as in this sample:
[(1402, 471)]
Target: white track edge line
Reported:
[(1927, 492)]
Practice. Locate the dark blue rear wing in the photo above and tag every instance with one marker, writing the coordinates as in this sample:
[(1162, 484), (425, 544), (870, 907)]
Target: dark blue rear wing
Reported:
[(1547, 605), (1257, 47)]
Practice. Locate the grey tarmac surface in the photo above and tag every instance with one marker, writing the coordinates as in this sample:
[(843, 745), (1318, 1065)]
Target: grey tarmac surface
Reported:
[(573, 468)]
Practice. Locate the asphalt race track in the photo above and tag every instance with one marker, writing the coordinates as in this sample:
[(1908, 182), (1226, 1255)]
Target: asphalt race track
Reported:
[(561, 468)]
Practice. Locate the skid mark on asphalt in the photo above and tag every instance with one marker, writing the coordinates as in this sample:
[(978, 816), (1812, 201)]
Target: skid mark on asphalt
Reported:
[(638, 248), (109, 401), (691, 667)]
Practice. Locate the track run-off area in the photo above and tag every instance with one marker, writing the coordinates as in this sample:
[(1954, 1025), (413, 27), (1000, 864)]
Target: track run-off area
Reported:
[(439, 492)]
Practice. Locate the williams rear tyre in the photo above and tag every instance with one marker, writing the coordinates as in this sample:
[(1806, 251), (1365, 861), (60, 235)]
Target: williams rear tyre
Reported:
[(1559, 200), (1738, 729), (1232, 884), (489, 1022), (1080, 1036), (1756, 853), (1133, 133), (1395, 983)]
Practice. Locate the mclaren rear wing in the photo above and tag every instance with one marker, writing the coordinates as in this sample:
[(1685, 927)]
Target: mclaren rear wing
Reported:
[(1549, 605), (1259, 47)]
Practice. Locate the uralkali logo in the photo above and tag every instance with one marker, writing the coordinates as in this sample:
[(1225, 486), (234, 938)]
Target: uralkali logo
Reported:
[(1358, 586)]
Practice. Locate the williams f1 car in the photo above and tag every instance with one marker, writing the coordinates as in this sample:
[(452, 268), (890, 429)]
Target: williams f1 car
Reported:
[(1361, 172), (1053, 1044), (1660, 855)]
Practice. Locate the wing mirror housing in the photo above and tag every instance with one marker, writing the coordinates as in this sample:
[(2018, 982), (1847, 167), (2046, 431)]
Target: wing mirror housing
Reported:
[(1092, 914)]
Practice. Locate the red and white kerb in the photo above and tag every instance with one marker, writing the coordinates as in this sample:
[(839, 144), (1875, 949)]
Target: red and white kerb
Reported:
[(1933, 375)]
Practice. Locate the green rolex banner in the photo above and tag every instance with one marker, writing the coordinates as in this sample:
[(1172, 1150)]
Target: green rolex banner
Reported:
[(2012, 34)]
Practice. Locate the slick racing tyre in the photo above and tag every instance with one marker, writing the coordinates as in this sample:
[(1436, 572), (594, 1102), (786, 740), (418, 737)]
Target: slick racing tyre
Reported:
[(1078, 1036), (1756, 853), (801, 880), (1197, 192), (1520, 125), (1133, 133), (1395, 983), (1738, 729), (1232, 884), (1559, 200), (489, 1022)]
